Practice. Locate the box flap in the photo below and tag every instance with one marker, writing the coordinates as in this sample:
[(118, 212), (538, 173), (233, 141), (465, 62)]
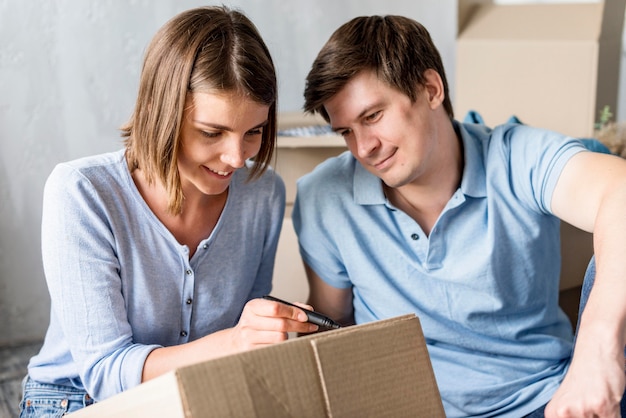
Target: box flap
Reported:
[(539, 22), (365, 368), (275, 381)]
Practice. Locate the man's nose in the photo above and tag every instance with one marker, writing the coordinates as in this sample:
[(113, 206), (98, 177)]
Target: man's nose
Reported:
[(366, 143)]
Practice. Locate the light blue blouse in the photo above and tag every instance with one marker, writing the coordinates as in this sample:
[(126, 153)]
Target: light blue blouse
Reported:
[(485, 283), (120, 283)]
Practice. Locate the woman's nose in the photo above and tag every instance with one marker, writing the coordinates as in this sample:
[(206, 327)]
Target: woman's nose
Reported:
[(234, 153)]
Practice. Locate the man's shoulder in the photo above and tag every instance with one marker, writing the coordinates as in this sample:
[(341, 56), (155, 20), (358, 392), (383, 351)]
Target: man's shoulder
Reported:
[(334, 170)]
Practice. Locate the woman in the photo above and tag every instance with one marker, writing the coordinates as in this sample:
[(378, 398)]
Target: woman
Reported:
[(156, 255)]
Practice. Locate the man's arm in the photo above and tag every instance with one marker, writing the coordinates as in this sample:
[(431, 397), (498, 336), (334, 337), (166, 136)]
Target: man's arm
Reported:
[(333, 302), (591, 195)]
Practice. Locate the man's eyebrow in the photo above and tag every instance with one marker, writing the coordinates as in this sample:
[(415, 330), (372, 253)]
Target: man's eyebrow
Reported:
[(364, 112)]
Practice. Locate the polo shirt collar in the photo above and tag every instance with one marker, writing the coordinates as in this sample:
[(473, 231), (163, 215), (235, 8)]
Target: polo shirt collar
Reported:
[(474, 138), (368, 189)]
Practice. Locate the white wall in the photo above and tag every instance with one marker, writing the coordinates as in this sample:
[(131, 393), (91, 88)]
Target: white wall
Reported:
[(68, 78)]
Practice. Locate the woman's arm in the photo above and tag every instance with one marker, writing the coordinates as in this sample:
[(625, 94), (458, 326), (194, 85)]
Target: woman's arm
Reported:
[(262, 323)]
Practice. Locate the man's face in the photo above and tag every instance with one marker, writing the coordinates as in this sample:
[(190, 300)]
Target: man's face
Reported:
[(392, 137)]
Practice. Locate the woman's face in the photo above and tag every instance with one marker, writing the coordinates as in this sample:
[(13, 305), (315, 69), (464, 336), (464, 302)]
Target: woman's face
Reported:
[(219, 133)]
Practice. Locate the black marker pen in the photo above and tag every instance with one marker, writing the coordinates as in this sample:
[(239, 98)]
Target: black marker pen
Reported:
[(312, 316)]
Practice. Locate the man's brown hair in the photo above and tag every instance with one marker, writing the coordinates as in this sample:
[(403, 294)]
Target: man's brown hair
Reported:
[(398, 49)]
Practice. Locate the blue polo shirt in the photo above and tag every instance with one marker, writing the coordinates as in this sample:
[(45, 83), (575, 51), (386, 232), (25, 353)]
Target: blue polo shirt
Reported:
[(484, 283)]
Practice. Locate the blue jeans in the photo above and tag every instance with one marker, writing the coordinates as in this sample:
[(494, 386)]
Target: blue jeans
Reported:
[(590, 276), (42, 400)]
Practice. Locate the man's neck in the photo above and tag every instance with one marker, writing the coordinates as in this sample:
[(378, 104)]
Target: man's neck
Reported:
[(425, 199)]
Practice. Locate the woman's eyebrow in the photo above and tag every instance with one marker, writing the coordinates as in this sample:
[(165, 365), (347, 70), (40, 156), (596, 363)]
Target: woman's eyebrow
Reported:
[(227, 128)]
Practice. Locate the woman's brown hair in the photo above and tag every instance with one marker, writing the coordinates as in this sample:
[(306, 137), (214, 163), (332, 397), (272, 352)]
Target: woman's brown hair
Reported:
[(205, 49)]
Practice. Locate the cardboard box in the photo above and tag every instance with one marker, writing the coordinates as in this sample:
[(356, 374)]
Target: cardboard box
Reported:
[(380, 369), (298, 154), (553, 66)]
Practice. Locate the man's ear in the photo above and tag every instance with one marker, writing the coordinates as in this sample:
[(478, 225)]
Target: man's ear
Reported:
[(433, 86)]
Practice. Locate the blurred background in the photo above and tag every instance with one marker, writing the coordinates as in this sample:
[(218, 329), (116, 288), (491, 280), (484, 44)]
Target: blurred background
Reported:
[(68, 78)]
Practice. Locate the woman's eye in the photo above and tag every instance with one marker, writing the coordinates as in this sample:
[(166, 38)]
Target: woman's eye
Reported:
[(254, 132), (210, 134)]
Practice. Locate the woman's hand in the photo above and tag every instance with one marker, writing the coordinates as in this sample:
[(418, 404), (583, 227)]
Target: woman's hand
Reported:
[(265, 322)]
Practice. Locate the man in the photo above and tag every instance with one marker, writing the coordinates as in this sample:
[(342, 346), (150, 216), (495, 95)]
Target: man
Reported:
[(459, 224)]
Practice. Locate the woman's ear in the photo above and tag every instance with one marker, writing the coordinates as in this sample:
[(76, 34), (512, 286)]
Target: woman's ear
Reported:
[(433, 86)]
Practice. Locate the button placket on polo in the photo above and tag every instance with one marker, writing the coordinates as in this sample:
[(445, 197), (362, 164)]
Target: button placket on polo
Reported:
[(435, 249), (413, 235)]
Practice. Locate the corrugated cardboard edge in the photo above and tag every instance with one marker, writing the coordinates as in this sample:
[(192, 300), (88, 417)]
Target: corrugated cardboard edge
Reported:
[(320, 373)]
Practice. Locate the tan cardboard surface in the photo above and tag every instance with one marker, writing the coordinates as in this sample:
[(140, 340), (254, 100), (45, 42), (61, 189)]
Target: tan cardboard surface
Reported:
[(581, 21), (275, 381), (379, 369), (373, 361)]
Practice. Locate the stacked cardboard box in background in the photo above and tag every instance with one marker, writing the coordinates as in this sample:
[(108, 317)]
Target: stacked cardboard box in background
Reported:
[(553, 65), (380, 369)]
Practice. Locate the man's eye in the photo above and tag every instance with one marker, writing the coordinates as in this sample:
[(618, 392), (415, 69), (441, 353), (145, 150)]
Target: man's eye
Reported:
[(374, 116), (345, 132)]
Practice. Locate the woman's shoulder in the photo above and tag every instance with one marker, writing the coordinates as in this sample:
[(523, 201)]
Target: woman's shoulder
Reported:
[(92, 162), (100, 169)]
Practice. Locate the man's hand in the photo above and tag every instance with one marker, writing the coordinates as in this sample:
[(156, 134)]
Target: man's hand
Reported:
[(594, 385)]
